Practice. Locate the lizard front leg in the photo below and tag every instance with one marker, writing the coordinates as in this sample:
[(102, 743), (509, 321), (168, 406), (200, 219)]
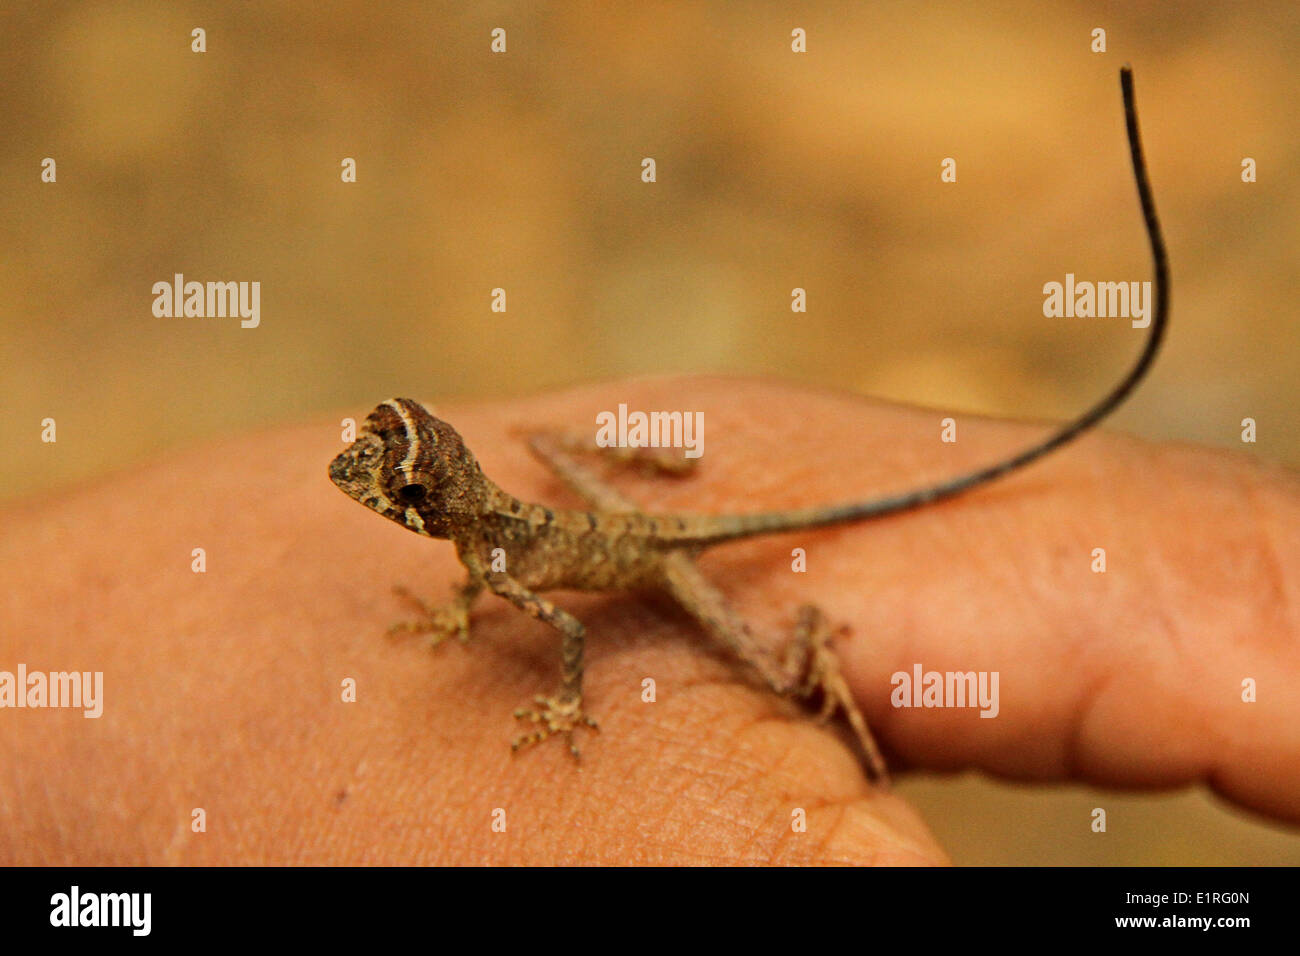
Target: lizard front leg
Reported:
[(808, 667), (561, 713)]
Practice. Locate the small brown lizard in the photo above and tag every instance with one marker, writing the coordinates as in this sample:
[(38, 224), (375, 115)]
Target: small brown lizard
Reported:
[(414, 469)]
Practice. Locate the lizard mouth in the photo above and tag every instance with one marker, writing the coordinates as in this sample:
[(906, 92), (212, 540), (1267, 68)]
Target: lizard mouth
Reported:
[(354, 472), (341, 467), (343, 470)]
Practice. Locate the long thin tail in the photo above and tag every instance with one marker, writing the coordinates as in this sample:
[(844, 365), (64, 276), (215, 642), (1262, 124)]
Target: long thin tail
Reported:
[(764, 523)]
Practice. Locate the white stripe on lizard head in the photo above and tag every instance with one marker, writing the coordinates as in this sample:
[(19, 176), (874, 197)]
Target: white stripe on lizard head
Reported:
[(412, 440)]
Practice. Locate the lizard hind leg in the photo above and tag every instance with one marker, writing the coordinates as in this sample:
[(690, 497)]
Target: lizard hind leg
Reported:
[(807, 669)]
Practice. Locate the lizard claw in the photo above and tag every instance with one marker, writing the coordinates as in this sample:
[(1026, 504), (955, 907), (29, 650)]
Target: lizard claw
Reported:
[(555, 715)]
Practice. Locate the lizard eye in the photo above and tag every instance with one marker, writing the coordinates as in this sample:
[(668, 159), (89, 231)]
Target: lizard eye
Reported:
[(412, 494)]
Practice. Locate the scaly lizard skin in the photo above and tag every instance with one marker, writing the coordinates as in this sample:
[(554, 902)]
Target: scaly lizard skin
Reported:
[(414, 469)]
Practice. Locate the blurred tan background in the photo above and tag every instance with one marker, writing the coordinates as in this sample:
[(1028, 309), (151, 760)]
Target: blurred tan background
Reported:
[(775, 170)]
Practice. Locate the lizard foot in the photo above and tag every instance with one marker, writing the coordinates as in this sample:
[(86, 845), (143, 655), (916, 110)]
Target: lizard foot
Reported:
[(440, 623), (555, 715), (664, 461), (824, 676)]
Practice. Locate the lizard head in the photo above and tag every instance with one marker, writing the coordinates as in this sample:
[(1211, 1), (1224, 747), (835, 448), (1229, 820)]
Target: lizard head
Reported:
[(411, 468)]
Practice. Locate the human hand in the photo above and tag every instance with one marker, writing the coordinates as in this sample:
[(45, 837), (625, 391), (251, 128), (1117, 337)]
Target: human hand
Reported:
[(222, 690)]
